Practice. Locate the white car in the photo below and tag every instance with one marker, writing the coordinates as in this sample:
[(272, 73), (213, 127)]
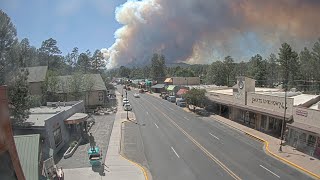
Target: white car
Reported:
[(127, 107), (125, 101), (136, 95)]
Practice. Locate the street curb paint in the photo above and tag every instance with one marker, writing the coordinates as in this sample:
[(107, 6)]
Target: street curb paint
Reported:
[(136, 164), (266, 144)]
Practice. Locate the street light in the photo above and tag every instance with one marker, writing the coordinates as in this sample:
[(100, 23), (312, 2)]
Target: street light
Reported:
[(127, 109), (284, 117)]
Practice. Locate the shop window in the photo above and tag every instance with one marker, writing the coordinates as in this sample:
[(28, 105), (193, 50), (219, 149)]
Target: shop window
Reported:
[(57, 136), (271, 123), (311, 140), (263, 121)]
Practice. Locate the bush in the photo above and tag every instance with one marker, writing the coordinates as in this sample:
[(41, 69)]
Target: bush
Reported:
[(35, 101), (73, 144)]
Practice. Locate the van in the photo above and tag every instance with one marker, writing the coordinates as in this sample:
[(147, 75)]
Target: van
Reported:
[(172, 99)]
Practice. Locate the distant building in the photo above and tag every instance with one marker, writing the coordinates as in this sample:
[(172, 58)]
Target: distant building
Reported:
[(263, 110), (182, 81), (94, 94), (36, 78), (10, 166)]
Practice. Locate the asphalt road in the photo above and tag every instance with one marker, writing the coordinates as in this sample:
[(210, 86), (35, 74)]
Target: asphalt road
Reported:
[(181, 145)]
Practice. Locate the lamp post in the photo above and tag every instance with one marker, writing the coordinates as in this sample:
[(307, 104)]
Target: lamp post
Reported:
[(284, 117), (127, 110)]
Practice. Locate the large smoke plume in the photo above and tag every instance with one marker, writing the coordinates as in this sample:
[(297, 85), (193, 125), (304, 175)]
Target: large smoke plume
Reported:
[(201, 31)]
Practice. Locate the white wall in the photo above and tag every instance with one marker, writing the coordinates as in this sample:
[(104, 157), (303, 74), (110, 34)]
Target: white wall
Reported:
[(306, 116)]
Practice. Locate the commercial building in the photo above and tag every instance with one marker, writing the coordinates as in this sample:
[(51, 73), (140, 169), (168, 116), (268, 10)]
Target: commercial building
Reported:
[(56, 123), (182, 81), (264, 109)]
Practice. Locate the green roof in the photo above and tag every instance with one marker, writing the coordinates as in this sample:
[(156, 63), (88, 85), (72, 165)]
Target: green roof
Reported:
[(170, 87), (28, 152), (158, 86)]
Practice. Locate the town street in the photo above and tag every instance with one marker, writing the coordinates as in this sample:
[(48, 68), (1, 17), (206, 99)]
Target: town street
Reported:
[(181, 145)]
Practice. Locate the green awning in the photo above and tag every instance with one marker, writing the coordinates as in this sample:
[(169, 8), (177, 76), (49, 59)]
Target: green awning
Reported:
[(28, 152), (170, 87)]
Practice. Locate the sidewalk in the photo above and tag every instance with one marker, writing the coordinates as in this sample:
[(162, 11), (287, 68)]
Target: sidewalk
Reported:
[(289, 155), (116, 167)]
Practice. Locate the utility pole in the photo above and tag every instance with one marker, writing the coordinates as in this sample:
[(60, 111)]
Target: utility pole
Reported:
[(284, 117), (127, 99)]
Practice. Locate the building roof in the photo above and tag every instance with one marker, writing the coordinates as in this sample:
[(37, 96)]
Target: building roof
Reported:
[(223, 91), (182, 91), (28, 152), (37, 73), (305, 127), (315, 106), (66, 81), (303, 98), (168, 80), (39, 115), (76, 118), (171, 87), (158, 86)]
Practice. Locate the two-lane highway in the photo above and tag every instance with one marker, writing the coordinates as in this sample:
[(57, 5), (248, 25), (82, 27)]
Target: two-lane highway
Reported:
[(180, 145)]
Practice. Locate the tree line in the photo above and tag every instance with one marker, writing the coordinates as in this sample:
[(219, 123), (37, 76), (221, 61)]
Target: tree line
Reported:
[(16, 55)]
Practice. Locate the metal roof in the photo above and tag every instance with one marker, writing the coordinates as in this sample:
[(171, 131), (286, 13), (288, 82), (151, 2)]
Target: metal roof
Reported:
[(171, 87), (28, 152), (37, 73), (158, 86)]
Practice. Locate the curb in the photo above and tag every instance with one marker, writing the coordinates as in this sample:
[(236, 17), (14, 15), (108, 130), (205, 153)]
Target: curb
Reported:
[(266, 144), (136, 164)]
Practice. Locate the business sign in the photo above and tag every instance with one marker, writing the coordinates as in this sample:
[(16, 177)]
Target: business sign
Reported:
[(277, 104), (300, 112)]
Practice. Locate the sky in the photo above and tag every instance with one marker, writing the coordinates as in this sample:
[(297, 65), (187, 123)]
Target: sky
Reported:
[(190, 31), (73, 23)]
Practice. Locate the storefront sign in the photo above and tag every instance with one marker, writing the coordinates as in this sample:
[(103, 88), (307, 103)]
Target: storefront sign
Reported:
[(301, 113), (278, 104)]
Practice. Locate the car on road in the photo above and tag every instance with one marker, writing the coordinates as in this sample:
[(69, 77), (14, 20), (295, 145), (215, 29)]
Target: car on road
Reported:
[(181, 102), (141, 91), (127, 107), (125, 101), (171, 99), (136, 95)]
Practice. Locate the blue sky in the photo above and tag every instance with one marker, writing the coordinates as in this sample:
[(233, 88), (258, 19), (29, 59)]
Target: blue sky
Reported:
[(73, 23)]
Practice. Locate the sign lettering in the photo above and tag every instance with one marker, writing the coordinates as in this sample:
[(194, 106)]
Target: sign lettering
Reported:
[(301, 113), (267, 101)]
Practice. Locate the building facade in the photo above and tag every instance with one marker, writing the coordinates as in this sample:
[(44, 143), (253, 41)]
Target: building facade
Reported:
[(269, 110)]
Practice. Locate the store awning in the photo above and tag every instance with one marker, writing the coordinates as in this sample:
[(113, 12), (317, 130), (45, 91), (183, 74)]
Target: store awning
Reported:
[(168, 80), (182, 91), (305, 127), (170, 87), (76, 118), (158, 86)]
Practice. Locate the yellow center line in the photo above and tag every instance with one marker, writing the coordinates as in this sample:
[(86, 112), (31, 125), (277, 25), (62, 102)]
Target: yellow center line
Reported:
[(211, 156)]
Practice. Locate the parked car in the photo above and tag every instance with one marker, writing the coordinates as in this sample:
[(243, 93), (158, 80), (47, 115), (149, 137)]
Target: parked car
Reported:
[(127, 107), (136, 95), (125, 101), (141, 91), (181, 102), (171, 99)]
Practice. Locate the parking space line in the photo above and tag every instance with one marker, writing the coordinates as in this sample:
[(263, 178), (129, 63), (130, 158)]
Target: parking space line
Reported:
[(269, 171), (186, 118), (175, 152), (214, 136), (156, 125)]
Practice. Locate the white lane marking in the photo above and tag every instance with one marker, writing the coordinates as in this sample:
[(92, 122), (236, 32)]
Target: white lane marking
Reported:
[(175, 152), (147, 112), (269, 171), (214, 136), (156, 125), (170, 108), (186, 118)]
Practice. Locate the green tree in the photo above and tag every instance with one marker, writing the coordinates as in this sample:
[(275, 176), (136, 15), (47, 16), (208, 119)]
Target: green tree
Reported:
[(288, 60), (229, 67), (216, 74), (84, 62), (316, 63), (258, 69), (77, 85), (184, 73), (19, 98), (124, 72), (98, 62), (272, 70), (158, 66), (49, 52), (8, 38), (50, 86), (196, 97)]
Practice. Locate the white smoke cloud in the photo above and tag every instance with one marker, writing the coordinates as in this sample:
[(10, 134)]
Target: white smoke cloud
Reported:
[(200, 31)]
